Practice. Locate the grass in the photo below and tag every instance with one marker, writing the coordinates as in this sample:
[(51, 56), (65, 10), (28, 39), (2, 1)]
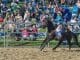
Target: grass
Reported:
[(26, 43), (13, 43), (42, 30)]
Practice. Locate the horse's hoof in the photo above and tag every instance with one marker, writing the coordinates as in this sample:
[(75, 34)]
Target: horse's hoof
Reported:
[(40, 49), (17, 40), (70, 50), (45, 51), (53, 49), (79, 45)]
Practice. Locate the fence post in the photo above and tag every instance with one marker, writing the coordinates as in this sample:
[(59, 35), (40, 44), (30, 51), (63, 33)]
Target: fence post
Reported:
[(49, 41), (4, 38), (47, 34)]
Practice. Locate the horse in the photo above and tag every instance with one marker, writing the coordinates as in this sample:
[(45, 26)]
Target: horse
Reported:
[(67, 35)]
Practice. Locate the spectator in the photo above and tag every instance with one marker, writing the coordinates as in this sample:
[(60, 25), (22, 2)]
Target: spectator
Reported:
[(75, 10), (17, 1), (66, 14), (4, 9), (5, 1), (27, 15), (10, 25), (59, 17), (62, 1), (34, 32), (1, 19), (74, 22), (23, 10), (35, 12), (18, 18), (14, 7), (25, 33), (78, 4)]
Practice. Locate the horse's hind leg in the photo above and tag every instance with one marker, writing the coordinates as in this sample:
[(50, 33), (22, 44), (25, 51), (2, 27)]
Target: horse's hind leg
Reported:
[(77, 43), (76, 40), (69, 43), (59, 43)]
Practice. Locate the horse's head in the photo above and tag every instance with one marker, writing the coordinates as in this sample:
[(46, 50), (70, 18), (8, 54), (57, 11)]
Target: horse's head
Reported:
[(46, 22)]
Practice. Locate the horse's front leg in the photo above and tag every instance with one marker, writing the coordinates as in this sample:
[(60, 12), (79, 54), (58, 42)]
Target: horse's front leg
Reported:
[(46, 41), (59, 43), (69, 43)]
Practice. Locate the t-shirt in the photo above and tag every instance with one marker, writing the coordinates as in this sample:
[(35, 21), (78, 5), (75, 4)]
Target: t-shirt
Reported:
[(75, 9), (25, 33), (78, 4), (1, 19)]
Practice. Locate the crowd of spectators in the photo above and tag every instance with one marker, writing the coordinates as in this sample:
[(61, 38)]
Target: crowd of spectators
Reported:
[(30, 14)]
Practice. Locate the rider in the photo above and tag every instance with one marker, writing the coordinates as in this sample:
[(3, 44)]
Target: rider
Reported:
[(59, 31)]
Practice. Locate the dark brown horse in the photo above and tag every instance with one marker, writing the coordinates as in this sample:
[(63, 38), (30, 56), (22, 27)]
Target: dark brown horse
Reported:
[(67, 35)]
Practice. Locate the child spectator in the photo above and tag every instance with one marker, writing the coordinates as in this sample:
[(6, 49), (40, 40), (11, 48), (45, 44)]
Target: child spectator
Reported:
[(18, 18), (1, 19), (59, 17), (25, 33), (75, 10), (34, 32), (27, 15), (78, 5)]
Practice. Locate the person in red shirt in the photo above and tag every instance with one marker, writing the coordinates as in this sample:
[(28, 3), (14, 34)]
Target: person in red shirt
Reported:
[(25, 33), (1, 19), (34, 31)]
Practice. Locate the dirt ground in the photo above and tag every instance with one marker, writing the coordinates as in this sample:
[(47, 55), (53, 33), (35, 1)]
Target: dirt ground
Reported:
[(36, 54)]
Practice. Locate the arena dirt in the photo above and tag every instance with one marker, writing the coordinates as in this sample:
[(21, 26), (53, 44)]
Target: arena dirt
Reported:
[(36, 54)]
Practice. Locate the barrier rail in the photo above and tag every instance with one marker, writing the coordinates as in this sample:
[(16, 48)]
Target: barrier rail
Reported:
[(41, 35)]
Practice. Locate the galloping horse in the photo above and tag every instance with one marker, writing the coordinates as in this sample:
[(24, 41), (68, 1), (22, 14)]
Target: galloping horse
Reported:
[(66, 35)]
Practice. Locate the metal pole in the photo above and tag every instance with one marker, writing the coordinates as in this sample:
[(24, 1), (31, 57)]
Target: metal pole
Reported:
[(47, 34), (4, 38)]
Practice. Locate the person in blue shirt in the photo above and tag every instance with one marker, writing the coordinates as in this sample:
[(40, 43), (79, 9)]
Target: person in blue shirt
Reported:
[(75, 10), (59, 17), (66, 14), (27, 1), (5, 1)]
